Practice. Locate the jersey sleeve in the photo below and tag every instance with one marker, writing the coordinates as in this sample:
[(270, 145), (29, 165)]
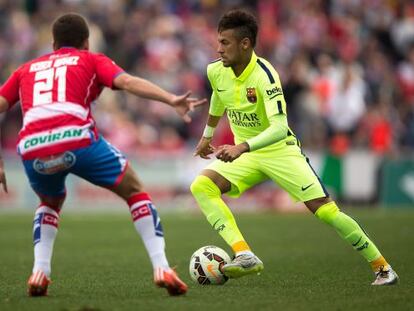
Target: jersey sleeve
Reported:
[(271, 91), (10, 89), (217, 108), (106, 70)]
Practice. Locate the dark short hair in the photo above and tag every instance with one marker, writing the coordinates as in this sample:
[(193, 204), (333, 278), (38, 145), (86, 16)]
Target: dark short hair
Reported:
[(243, 22), (70, 30)]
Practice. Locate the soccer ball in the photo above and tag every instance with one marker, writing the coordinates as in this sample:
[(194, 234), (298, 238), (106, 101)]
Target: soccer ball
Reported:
[(206, 265)]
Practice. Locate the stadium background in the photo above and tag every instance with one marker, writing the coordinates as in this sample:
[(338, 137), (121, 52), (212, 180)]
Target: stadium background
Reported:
[(347, 68)]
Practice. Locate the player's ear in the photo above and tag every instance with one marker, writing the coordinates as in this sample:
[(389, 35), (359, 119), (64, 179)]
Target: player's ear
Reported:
[(86, 45), (55, 46), (245, 43)]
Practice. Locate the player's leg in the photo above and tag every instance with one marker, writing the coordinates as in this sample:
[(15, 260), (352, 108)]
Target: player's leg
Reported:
[(51, 191), (207, 189), (348, 229), (292, 171), (104, 165), (232, 178), (45, 229), (148, 225)]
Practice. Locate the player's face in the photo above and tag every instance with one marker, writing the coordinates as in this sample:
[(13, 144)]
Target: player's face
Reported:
[(229, 48)]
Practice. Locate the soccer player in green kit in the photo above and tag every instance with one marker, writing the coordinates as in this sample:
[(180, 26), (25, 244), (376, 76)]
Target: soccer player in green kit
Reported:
[(248, 89)]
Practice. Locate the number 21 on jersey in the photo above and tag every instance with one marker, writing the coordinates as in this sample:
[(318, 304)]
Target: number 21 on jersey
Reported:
[(45, 80)]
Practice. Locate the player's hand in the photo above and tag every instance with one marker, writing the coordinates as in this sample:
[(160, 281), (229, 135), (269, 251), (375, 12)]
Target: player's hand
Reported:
[(204, 148), (183, 104), (3, 181), (229, 153)]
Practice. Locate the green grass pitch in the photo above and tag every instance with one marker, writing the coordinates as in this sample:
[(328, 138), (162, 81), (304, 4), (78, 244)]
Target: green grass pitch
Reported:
[(100, 264)]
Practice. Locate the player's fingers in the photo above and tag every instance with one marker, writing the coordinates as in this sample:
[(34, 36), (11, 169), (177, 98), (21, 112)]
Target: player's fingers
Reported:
[(227, 156), (181, 99), (200, 154), (198, 102), (220, 148), (222, 156), (191, 107), (186, 118), (186, 95), (197, 152)]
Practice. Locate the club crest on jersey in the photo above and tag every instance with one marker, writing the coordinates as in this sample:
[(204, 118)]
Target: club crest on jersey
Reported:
[(53, 164), (251, 95)]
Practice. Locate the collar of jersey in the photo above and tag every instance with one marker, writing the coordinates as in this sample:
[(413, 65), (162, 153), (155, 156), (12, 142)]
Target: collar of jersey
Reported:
[(248, 70), (66, 48)]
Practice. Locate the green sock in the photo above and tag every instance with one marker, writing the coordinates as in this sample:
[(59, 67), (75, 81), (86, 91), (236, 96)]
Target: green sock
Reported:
[(208, 197), (349, 230)]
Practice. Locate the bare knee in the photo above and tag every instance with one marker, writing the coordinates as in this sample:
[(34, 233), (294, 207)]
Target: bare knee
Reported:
[(54, 203), (222, 183), (314, 204), (129, 185)]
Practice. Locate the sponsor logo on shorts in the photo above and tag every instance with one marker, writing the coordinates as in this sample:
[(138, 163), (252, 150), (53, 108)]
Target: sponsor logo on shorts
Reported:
[(53, 164)]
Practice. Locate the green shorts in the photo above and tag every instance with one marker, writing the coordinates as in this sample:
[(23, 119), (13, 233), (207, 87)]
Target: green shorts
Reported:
[(287, 166)]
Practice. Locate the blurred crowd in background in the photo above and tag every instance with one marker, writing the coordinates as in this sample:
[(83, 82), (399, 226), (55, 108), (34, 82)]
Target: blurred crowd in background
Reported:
[(346, 66)]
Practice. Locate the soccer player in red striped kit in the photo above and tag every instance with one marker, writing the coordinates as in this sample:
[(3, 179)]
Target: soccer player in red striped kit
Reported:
[(59, 137)]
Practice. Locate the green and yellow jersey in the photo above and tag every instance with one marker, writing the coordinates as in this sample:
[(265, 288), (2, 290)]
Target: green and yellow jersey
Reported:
[(253, 102), (249, 99)]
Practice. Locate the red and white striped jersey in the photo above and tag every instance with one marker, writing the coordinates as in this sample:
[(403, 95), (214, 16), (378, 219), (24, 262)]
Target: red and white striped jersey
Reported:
[(55, 93)]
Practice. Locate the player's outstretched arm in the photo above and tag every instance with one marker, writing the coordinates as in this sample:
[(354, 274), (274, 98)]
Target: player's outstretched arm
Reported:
[(182, 104), (204, 146), (4, 105)]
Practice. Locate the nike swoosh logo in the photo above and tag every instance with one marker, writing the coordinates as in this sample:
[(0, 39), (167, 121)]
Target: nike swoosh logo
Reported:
[(355, 244), (304, 188), (220, 90), (214, 225)]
